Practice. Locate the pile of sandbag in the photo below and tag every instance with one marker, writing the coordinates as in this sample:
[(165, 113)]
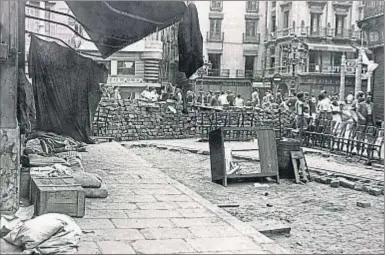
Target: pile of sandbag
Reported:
[(51, 155), (50, 233)]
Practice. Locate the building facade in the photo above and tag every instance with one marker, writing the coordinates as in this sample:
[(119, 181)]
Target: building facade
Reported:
[(232, 43), (132, 69), (327, 28), (373, 26)]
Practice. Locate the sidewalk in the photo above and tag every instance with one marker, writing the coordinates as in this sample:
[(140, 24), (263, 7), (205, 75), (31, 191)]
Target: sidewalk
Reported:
[(148, 212), (313, 156)]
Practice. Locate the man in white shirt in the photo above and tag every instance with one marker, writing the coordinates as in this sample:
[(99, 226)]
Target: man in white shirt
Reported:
[(146, 94), (239, 102), (255, 98), (223, 99)]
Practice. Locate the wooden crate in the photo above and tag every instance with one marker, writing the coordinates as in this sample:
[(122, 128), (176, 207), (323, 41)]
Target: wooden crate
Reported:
[(57, 195)]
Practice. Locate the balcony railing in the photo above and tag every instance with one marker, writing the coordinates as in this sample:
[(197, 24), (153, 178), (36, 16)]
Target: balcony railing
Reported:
[(342, 3), (215, 37), (219, 72), (314, 32), (373, 8), (255, 39), (244, 73)]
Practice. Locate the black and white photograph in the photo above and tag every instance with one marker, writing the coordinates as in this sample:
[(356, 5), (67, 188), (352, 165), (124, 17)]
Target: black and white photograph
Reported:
[(192, 127)]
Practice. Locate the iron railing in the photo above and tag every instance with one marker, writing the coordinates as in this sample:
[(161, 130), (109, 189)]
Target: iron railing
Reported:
[(219, 72), (307, 31), (215, 37), (254, 39), (373, 8)]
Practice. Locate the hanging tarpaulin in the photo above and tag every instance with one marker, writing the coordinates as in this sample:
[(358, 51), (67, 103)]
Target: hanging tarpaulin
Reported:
[(113, 25), (66, 89), (190, 42)]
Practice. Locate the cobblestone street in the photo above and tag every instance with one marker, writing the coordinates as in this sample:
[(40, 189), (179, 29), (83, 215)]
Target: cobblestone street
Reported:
[(322, 219), (147, 212)]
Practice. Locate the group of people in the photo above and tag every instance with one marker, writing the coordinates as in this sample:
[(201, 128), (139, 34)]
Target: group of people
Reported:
[(355, 109)]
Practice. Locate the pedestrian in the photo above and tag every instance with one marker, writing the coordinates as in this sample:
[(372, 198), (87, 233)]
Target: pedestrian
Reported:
[(255, 98), (300, 113), (350, 98), (153, 95), (230, 97), (313, 107), (223, 99), (279, 97), (146, 94), (239, 102), (365, 112), (324, 108), (215, 99)]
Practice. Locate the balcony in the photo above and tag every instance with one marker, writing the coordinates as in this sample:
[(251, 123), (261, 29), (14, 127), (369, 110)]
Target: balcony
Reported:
[(373, 8), (216, 6), (219, 72), (215, 37), (254, 39), (321, 32), (244, 73), (342, 3)]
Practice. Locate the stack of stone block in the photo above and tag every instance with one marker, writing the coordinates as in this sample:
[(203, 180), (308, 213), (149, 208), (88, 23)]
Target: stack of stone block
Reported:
[(137, 120)]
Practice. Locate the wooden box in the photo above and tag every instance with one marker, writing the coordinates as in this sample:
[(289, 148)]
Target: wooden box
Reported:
[(57, 195)]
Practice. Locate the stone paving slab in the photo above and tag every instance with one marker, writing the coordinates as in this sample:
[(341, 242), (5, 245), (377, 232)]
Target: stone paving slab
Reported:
[(313, 160), (147, 212)]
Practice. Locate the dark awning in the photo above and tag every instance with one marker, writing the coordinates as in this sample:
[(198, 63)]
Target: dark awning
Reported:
[(114, 25)]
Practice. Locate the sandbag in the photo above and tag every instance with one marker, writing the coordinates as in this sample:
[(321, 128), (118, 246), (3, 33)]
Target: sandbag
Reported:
[(7, 248), (87, 180), (38, 160), (33, 146), (50, 233), (101, 192)]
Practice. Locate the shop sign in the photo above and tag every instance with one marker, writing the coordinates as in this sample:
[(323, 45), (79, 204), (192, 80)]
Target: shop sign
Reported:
[(123, 80)]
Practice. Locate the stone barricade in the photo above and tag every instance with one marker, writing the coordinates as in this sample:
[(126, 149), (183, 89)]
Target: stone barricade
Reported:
[(137, 120)]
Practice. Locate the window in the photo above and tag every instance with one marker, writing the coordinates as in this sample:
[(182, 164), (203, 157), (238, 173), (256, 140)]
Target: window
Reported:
[(315, 21), (286, 19), (273, 4), (215, 60), (273, 23), (249, 63), (252, 6), (251, 27), (126, 67), (339, 26), (215, 28), (216, 6)]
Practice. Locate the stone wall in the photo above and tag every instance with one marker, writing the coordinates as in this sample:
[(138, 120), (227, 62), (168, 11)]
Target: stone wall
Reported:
[(136, 120)]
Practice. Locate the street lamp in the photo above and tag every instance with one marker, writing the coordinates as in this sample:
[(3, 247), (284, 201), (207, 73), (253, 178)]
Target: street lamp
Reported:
[(203, 71), (295, 54)]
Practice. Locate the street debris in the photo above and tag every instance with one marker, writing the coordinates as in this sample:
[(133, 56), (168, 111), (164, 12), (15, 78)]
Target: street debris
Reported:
[(364, 204)]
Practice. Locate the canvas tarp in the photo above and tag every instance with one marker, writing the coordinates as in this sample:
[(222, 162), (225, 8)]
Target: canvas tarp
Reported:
[(113, 25), (66, 89)]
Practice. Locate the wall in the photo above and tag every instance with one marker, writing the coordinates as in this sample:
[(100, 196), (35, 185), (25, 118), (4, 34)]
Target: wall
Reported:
[(135, 120), (378, 83)]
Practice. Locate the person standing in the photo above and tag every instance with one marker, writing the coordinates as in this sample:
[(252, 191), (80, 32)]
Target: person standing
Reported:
[(223, 99), (255, 98), (365, 112), (230, 98), (349, 98), (215, 100), (300, 112), (239, 102)]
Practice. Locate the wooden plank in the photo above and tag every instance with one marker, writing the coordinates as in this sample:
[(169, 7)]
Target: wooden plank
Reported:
[(217, 156), (295, 164), (268, 151), (252, 175)]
